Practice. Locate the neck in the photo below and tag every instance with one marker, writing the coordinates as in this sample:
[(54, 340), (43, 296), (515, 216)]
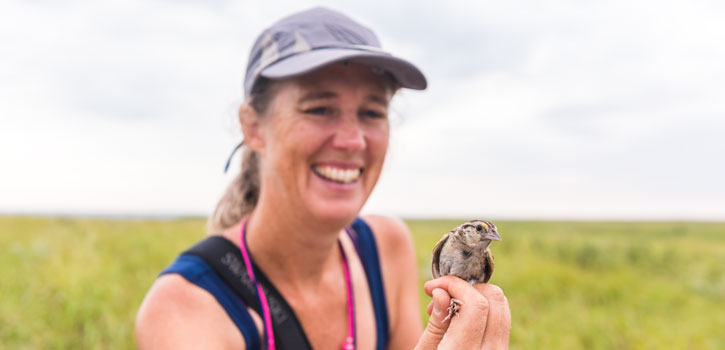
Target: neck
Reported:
[(292, 252)]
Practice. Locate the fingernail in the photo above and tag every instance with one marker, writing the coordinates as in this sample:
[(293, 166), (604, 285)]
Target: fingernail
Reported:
[(436, 306)]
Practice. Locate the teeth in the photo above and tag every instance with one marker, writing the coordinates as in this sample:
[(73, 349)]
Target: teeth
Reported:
[(338, 174)]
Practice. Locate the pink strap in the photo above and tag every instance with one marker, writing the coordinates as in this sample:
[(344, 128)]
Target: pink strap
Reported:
[(267, 315), (262, 298), (350, 341)]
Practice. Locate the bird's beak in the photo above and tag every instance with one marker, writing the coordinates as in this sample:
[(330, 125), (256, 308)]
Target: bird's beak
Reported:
[(493, 235)]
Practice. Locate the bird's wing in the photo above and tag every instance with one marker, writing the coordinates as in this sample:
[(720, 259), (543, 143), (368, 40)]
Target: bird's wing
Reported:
[(435, 266), (488, 267)]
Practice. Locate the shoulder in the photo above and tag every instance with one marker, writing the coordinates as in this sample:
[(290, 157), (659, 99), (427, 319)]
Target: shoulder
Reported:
[(395, 244), (395, 250), (400, 277), (177, 314), (390, 233)]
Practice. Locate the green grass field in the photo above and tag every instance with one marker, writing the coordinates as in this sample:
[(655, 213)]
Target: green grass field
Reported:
[(77, 283)]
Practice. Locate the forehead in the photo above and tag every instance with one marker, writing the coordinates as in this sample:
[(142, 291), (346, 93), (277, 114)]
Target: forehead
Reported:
[(350, 75), (473, 224)]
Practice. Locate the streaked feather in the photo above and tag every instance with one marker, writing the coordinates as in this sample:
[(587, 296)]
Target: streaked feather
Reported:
[(435, 266), (464, 252), (488, 267)]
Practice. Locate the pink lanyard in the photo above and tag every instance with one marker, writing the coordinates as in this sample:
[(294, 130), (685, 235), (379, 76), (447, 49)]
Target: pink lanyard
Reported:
[(268, 331)]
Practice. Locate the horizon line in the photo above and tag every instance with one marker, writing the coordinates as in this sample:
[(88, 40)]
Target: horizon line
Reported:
[(178, 216)]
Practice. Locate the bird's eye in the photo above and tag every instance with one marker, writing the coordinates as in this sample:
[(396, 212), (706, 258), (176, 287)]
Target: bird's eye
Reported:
[(479, 227)]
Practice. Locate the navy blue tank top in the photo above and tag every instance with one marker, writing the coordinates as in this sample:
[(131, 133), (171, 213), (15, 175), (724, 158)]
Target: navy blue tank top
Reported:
[(196, 270)]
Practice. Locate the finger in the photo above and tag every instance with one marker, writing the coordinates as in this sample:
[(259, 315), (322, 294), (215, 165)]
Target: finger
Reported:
[(498, 326), (436, 328), (446, 282), (467, 328), (429, 308)]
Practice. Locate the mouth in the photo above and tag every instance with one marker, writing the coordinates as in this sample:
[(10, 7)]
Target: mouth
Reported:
[(337, 174)]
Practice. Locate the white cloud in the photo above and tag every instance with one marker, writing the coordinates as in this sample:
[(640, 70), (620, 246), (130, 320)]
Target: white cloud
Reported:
[(555, 109)]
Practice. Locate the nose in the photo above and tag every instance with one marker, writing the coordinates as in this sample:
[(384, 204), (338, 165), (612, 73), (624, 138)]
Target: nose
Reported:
[(349, 135)]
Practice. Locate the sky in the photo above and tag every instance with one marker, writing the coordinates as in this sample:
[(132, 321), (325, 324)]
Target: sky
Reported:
[(609, 110)]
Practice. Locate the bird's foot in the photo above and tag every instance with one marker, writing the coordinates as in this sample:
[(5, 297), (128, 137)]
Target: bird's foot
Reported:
[(453, 308)]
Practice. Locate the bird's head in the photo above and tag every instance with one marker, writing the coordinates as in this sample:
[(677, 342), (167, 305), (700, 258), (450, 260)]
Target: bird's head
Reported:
[(477, 232)]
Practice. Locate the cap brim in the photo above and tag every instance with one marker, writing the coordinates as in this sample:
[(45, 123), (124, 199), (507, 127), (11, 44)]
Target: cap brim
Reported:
[(407, 75)]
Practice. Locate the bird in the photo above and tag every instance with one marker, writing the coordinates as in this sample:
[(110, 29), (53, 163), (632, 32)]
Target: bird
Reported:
[(464, 252)]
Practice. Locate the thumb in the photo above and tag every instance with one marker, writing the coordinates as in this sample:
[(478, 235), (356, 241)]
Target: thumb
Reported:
[(436, 328)]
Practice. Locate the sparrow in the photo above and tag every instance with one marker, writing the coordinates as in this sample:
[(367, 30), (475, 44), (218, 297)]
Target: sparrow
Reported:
[(464, 252)]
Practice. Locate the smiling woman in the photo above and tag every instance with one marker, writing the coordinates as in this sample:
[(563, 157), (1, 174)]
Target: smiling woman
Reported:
[(289, 264), (325, 143)]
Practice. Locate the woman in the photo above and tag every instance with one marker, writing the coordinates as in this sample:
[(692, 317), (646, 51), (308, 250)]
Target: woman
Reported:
[(316, 132)]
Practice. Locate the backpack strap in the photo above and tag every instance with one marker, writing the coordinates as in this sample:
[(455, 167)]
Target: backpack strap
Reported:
[(225, 276), (198, 272), (364, 240), (226, 260)]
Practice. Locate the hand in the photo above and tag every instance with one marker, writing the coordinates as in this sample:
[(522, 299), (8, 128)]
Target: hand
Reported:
[(483, 321)]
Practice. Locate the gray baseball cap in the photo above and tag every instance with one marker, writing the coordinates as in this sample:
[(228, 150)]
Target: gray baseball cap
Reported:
[(311, 39)]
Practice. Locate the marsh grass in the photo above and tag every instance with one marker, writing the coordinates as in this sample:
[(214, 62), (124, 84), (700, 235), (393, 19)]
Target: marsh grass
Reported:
[(77, 283)]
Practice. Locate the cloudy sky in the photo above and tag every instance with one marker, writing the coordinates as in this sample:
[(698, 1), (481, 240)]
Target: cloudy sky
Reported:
[(555, 109)]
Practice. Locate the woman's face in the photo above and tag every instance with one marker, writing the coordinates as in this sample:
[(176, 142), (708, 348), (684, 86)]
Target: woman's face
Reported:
[(324, 139)]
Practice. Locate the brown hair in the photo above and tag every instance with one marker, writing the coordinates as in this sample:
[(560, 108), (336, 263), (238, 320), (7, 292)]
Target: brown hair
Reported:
[(242, 194)]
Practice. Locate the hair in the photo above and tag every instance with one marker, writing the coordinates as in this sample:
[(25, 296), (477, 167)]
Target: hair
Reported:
[(241, 196)]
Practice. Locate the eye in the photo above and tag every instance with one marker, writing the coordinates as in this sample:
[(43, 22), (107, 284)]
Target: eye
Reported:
[(371, 113), (479, 227), (317, 111)]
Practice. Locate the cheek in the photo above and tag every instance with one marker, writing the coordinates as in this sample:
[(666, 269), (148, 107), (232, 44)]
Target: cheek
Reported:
[(278, 152), (286, 137), (378, 139)]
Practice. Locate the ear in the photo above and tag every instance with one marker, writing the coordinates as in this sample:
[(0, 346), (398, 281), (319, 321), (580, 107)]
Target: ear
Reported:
[(251, 128)]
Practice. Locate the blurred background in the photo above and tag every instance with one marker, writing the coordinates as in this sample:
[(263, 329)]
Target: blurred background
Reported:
[(592, 133)]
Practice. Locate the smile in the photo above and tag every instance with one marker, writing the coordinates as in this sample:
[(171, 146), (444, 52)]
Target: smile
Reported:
[(335, 174)]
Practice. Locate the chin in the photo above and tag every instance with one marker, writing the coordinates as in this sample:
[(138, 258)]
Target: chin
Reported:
[(337, 212)]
